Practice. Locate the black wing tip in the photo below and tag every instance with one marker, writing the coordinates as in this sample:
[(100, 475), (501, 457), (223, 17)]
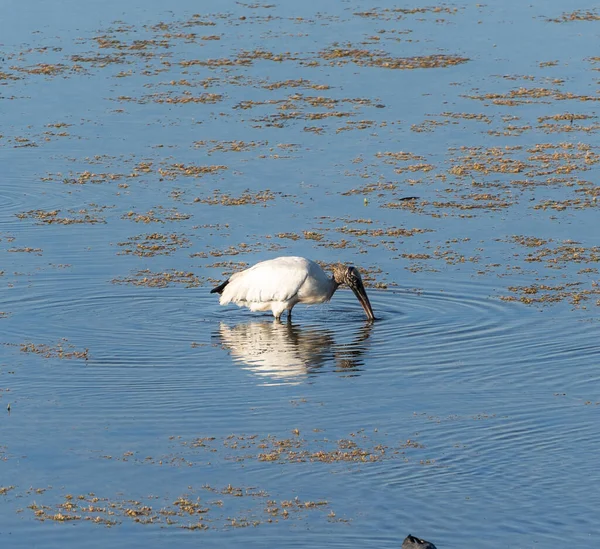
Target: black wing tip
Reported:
[(219, 289)]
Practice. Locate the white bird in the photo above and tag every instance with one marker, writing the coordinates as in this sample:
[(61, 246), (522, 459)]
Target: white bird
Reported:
[(278, 284)]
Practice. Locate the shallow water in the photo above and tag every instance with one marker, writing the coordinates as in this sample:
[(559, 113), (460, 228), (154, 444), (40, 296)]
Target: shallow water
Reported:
[(142, 412)]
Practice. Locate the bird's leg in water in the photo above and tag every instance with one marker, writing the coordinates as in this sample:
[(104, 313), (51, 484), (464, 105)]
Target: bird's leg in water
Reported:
[(289, 315)]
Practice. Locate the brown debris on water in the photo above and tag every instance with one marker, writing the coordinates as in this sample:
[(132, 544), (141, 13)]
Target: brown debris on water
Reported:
[(522, 96), (151, 279), (577, 15), (63, 350), (542, 294), (340, 55), (228, 267), (357, 447), (47, 69), (246, 198), (399, 13), (229, 146), (174, 170), (90, 177), (53, 217), (29, 250), (561, 254), (159, 215), (172, 99), (297, 83), (148, 245), (188, 511), (241, 248)]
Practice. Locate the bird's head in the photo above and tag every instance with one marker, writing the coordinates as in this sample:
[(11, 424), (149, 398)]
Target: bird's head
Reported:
[(349, 275)]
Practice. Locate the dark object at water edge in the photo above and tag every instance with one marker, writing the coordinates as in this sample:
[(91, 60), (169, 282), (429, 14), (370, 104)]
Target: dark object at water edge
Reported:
[(415, 543)]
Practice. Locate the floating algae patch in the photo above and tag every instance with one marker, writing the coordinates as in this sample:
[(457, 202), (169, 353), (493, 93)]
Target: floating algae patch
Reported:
[(173, 171), (567, 268), (392, 232), (468, 206), (577, 15), (393, 14), (299, 107), (294, 83), (455, 116), (541, 294), (241, 248), (63, 350), (347, 451), (567, 122), (149, 245), (228, 267), (298, 100), (523, 96), (357, 447), (366, 58), (475, 201), (379, 187), (8, 76), (229, 146), (29, 250), (158, 215), (151, 279), (393, 157), (174, 99), (491, 160), (51, 217), (308, 235), (207, 508), (528, 241), (560, 205), (558, 255), (90, 177), (562, 158), (356, 125), (445, 253), (246, 198), (48, 69)]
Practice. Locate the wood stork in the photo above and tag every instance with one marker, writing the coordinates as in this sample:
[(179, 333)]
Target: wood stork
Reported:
[(278, 284), (411, 542)]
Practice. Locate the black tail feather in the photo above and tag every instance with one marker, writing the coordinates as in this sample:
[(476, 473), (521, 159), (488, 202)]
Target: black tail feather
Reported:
[(219, 289)]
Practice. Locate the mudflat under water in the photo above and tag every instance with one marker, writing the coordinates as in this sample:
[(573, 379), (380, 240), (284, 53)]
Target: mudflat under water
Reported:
[(449, 151)]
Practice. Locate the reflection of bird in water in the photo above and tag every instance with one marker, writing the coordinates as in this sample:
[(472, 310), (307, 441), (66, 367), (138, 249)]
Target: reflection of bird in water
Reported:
[(415, 543), (278, 284), (287, 351), (348, 356)]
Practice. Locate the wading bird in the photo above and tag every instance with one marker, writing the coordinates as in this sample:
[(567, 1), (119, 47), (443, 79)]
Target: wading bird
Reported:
[(278, 284), (415, 543)]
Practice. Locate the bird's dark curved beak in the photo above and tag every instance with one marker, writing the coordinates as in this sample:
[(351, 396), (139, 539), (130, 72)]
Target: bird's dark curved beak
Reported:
[(359, 291)]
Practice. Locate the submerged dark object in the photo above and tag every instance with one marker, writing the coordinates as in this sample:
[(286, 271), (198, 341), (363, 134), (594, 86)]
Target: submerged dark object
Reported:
[(411, 542)]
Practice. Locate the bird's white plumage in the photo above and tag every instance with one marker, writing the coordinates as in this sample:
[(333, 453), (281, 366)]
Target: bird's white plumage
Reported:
[(278, 284)]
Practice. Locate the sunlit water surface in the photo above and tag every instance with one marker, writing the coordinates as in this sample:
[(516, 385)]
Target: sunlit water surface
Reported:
[(457, 416)]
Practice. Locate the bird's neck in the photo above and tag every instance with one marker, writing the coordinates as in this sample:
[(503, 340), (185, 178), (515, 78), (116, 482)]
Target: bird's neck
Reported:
[(334, 285)]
